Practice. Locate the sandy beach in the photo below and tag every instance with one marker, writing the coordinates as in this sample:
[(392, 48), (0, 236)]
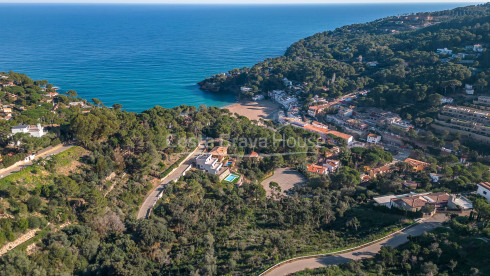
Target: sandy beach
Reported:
[(255, 110)]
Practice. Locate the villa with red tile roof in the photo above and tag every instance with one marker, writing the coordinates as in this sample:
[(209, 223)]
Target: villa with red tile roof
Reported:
[(51, 94), (373, 138), (332, 165), (373, 173), (417, 165), (312, 168), (416, 202), (219, 152), (315, 110)]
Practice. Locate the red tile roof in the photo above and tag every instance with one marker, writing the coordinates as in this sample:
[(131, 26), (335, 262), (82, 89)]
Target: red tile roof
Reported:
[(485, 185), (219, 151), (340, 134), (416, 164), (316, 169)]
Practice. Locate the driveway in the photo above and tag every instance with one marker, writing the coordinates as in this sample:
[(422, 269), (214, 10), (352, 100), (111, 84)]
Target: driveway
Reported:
[(153, 197), (287, 178), (362, 253)]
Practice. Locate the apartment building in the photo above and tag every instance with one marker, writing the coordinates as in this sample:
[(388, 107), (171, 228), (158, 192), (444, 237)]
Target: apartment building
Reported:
[(483, 102), (472, 122)]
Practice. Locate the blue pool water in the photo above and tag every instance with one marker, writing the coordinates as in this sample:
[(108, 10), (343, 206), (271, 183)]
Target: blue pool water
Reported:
[(231, 177), (146, 55)]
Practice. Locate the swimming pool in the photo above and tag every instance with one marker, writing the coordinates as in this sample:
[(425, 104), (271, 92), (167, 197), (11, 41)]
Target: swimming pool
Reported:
[(228, 163), (231, 177)]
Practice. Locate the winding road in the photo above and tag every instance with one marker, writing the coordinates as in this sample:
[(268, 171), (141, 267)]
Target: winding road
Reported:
[(358, 254), (153, 197)]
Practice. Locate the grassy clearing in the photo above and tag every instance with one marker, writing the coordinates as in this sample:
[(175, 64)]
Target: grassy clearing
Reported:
[(66, 157)]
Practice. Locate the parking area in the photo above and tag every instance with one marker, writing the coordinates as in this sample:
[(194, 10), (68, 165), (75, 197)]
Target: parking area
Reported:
[(287, 178)]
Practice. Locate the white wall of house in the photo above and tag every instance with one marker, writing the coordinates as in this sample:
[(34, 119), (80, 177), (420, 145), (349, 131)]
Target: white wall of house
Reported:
[(484, 192)]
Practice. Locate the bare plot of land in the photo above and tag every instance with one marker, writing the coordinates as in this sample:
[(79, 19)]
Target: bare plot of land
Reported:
[(263, 109), (287, 178)]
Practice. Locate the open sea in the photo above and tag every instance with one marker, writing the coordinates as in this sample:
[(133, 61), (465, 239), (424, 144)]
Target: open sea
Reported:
[(146, 55)]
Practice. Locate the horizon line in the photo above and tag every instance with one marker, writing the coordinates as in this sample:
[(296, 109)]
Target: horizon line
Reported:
[(254, 2)]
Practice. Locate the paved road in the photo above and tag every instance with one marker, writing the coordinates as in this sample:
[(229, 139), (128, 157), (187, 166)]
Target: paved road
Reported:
[(152, 198), (43, 153), (363, 253)]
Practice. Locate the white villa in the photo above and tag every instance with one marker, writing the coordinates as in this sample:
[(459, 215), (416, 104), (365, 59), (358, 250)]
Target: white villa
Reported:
[(207, 162), (484, 190), (447, 100), (443, 51), (478, 48), (246, 89), (332, 165), (373, 138), (287, 82), (283, 99), (258, 97), (35, 131)]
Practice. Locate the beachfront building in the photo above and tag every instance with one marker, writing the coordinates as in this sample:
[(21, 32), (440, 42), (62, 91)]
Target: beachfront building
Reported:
[(285, 100), (292, 121), (258, 97), (484, 190), (35, 131), (246, 89)]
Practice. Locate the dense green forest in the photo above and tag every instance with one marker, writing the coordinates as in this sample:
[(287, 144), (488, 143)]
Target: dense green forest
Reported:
[(460, 248)]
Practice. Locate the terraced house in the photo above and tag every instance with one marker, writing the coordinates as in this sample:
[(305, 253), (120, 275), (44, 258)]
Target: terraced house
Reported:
[(472, 122)]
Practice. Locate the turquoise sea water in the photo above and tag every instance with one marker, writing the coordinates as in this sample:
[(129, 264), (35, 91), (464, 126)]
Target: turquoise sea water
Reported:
[(147, 55)]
